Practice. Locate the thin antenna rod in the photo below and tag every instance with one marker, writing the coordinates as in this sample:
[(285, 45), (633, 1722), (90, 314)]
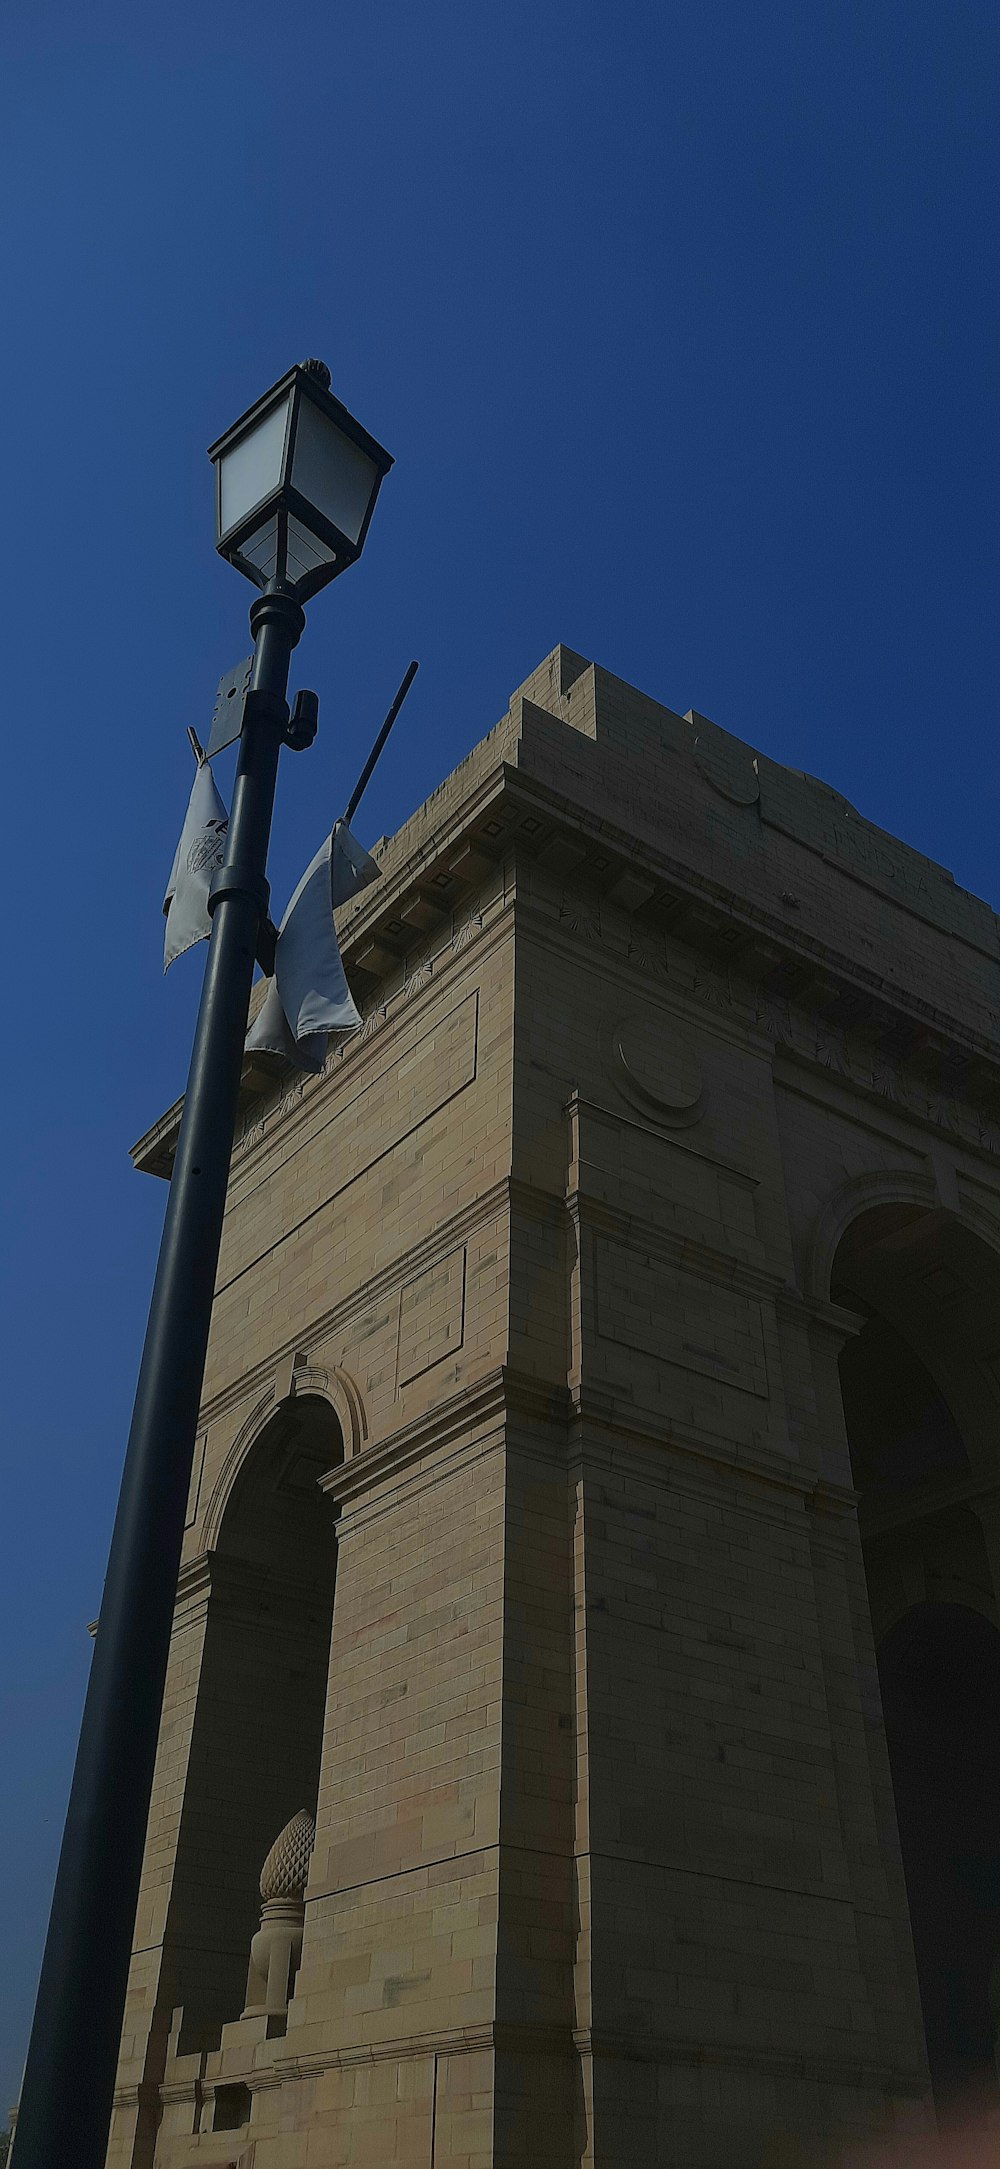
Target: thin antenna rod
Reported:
[(365, 777), (197, 748)]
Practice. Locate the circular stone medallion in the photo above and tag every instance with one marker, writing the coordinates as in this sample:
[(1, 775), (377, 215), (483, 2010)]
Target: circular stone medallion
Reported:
[(656, 1064)]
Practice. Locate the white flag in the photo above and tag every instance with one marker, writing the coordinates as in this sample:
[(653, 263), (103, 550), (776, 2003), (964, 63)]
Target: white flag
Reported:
[(269, 1034), (309, 996), (199, 853)]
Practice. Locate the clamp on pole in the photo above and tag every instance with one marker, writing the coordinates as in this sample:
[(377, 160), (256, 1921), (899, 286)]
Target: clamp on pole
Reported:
[(239, 880), (261, 707)]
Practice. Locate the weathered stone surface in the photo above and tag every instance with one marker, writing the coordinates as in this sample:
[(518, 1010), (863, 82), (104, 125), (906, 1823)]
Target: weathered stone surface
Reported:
[(563, 1247)]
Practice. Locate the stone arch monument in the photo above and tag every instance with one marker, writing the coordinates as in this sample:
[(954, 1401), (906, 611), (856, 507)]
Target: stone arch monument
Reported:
[(598, 1488)]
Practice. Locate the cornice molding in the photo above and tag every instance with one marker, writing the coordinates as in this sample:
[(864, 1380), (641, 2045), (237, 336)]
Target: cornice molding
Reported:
[(822, 2069), (506, 2037), (467, 1417), (743, 1010), (534, 1203), (284, 2068), (668, 951), (685, 1253), (600, 1421), (663, 1133), (822, 1317), (636, 956), (384, 900), (229, 1584), (499, 793), (736, 909)]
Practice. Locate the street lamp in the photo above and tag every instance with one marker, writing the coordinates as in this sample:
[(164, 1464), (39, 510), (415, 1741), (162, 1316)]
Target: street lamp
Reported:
[(297, 480)]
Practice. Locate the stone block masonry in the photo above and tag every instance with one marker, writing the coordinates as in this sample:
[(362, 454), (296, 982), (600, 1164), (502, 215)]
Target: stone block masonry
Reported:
[(525, 1543)]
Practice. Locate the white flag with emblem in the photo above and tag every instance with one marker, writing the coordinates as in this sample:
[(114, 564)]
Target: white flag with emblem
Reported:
[(309, 997), (199, 853)]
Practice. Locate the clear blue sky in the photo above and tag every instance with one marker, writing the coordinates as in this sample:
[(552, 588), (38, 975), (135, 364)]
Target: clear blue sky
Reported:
[(680, 317)]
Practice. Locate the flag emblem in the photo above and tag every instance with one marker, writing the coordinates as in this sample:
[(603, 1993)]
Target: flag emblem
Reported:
[(199, 853)]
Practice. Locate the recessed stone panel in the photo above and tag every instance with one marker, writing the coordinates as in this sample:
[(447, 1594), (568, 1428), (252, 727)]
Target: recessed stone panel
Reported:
[(646, 1304), (431, 1316)]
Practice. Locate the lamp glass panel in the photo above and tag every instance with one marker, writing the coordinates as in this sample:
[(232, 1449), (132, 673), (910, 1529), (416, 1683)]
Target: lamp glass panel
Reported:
[(332, 472), (261, 548), (305, 551), (251, 469)]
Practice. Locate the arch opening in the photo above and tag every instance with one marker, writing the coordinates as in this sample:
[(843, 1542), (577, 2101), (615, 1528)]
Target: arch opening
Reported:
[(939, 1672), (258, 1723), (919, 1384)]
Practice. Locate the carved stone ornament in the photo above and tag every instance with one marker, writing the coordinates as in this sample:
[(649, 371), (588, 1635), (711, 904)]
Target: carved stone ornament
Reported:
[(286, 1868), (277, 1946), (656, 1067)]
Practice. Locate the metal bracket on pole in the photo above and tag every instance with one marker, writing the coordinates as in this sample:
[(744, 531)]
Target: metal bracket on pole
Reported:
[(304, 722), (267, 942), (230, 705), (237, 881)]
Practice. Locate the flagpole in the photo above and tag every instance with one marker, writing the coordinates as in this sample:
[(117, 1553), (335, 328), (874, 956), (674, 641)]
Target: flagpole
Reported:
[(66, 2099), (368, 770)]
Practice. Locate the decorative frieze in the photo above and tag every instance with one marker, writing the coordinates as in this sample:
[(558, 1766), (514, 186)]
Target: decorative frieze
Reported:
[(857, 1055)]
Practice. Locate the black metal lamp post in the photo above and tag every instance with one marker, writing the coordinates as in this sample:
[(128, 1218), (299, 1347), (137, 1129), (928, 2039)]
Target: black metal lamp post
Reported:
[(297, 483)]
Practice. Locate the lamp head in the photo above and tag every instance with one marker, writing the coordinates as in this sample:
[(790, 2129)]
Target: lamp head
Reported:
[(296, 482)]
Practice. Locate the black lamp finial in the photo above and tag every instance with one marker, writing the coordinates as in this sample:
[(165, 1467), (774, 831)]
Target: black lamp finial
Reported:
[(319, 370)]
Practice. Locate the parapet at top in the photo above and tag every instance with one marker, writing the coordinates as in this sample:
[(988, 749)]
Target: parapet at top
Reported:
[(717, 804)]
